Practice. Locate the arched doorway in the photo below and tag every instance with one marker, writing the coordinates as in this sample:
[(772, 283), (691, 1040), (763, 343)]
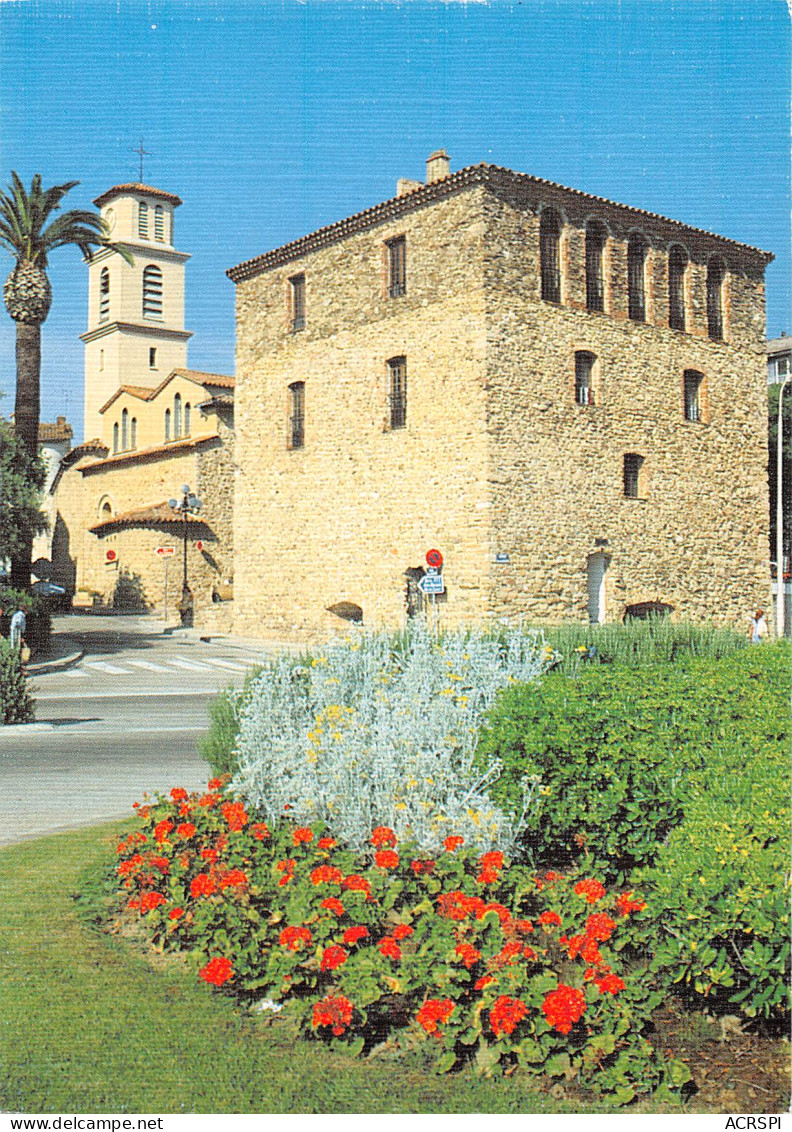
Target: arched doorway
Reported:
[(597, 571)]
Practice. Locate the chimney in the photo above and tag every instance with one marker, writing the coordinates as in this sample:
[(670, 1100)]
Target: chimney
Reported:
[(404, 186), (438, 166)]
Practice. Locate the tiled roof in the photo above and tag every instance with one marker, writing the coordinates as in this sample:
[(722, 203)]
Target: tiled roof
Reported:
[(139, 455), (779, 345), (492, 176), (154, 513), (144, 392), (197, 376), (60, 430), (221, 380), (136, 187)]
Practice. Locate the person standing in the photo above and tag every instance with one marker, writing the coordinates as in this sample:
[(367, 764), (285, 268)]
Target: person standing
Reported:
[(17, 630), (757, 630)]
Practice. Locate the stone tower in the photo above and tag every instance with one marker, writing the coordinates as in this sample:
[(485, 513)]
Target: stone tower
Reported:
[(136, 332)]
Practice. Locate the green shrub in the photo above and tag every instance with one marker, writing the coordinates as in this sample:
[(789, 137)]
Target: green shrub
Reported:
[(38, 629), (386, 951), (16, 706)]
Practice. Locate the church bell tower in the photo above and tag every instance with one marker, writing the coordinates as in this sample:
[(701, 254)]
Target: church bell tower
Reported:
[(136, 332)]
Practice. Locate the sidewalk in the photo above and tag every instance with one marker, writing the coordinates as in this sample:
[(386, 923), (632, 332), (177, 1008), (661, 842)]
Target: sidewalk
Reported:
[(61, 652)]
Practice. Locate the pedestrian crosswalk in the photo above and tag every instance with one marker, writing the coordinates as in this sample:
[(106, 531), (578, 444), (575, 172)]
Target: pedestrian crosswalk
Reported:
[(130, 666)]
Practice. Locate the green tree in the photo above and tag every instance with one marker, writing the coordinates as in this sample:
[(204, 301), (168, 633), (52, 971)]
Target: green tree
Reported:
[(772, 466), (29, 231), (21, 480)]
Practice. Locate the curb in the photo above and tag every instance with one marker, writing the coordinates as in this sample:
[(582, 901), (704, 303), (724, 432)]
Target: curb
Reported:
[(16, 728), (58, 663)]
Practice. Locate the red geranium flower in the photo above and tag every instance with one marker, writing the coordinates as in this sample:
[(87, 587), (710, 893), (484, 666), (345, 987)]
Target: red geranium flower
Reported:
[(175, 913), (327, 874), (151, 900), (592, 890), (202, 885), (161, 863), (389, 948), (185, 830), (467, 953), (293, 938), (235, 878), (457, 906), (386, 859), (508, 952), (550, 918), (162, 829), (184, 809), (357, 883), (130, 866), (333, 957), (178, 794), (553, 877), (433, 1012), (209, 855), (333, 905), (334, 1011), (235, 815), (208, 800), (352, 935), (260, 831), (453, 842), (626, 904), (326, 843), (302, 835), (401, 931), (563, 1007), (599, 926), (133, 903), (215, 783), (506, 1013), (482, 982), (523, 926), (382, 835), (488, 876), (610, 984), (492, 860), (217, 971), (422, 868)]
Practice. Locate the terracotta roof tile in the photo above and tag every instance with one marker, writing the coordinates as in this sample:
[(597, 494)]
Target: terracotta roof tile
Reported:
[(60, 430), (136, 187), (141, 454), (154, 513)]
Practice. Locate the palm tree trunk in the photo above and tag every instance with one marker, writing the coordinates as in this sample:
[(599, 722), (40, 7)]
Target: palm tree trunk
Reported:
[(26, 419)]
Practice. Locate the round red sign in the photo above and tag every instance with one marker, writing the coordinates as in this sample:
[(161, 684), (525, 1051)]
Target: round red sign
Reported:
[(199, 545), (434, 558), (111, 556)]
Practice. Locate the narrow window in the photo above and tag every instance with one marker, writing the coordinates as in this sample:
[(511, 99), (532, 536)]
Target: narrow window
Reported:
[(104, 295), (115, 437), (633, 464), (549, 255), (152, 292), (693, 384), (595, 283), (398, 392), (177, 416), (636, 278), (133, 434), (782, 368), (143, 220), (297, 414), (125, 430), (101, 360), (716, 272), (584, 377), (397, 267), (167, 424), (187, 418), (159, 223), (297, 283), (677, 265), (152, 357)]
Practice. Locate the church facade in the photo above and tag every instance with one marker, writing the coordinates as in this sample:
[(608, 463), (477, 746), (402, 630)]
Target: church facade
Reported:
[(562, 394), (154, 424)]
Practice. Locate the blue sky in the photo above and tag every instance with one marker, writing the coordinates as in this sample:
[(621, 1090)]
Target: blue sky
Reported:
[(274, 117)]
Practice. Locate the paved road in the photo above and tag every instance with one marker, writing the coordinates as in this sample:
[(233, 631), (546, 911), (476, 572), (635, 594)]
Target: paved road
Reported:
[(126, 719)]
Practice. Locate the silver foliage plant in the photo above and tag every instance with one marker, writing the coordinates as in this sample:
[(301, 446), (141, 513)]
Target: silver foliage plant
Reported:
[(382, 731)]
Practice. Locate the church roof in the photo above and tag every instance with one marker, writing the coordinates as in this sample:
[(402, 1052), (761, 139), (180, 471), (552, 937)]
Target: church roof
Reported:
[(493, 177), (144, 392), (197, 376), (136, 187), (200, 377), (154, 513)]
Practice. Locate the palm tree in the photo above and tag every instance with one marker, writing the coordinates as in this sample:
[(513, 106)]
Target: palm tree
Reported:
[(30, 233)]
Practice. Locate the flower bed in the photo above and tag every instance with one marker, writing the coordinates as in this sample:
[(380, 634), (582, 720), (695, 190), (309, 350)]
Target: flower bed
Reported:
[(391, 949)]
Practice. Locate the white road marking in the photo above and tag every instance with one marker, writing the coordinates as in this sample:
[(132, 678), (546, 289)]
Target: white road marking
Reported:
[(223, 663), (103, 666), (148, 665), (188, 664)]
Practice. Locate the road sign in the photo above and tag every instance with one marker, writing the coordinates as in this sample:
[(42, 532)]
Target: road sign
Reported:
[(165, 551), (434, 558), (431, 584), (199, 545), (111, 556)]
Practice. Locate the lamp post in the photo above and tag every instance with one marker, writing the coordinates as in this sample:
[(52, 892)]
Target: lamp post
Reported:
[(187, 505), (780, 595)]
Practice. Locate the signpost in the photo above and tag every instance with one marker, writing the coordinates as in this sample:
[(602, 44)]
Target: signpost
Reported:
[(432, 582), (165, 552), (111, 556)]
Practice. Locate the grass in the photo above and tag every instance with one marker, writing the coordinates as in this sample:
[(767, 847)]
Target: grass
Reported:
[(91, 1025)]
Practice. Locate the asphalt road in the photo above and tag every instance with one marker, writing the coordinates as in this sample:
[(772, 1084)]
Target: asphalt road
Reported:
[(124, 721)]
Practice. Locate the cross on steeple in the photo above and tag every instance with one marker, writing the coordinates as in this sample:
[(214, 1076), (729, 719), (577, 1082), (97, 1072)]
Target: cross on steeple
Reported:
[(141, 152)]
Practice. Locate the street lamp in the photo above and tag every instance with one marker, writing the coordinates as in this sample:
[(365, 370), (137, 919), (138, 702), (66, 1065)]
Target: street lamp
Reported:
[(780, 595), (188, 505)]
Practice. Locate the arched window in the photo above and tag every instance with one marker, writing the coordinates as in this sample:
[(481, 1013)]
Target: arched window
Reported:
[(677, 265), (596, 236), (549, 255), (177, 415), (636, 277), (584, 377), (152, 292), (133, 434), (187, 418), (716, 273), (104, 295), (115, 437), (159, 223), (167, 424), (143, 220), (694, 385), (124, 430)]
